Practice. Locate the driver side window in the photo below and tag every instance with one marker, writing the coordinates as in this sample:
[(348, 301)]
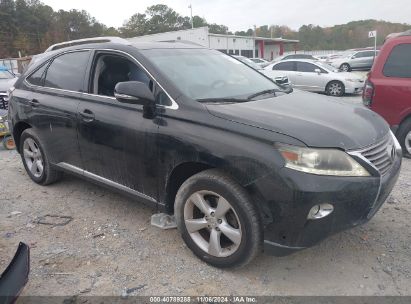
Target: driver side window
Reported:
[(110, 69)]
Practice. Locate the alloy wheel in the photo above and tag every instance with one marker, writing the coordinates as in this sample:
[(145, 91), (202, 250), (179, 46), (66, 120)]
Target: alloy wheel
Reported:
[(335, 89), (212, 223), (345, 68), (33, 157), (407, 142)]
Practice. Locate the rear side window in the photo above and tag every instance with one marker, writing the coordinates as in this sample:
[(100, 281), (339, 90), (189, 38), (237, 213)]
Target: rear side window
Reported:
[(37, 78), (398, 63), (67, 71), (284, 66)]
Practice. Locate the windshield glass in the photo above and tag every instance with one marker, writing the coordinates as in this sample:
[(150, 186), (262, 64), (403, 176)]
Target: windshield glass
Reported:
[(208, 74), (5, 75)]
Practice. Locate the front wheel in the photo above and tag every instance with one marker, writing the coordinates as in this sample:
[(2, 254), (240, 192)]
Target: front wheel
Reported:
[(335, 88), (404, 137), (217, 220)]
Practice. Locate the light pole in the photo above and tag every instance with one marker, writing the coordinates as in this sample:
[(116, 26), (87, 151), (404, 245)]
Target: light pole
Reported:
[(191, 13)]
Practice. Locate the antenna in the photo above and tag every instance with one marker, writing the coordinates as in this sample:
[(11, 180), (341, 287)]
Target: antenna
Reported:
[(191, 13)]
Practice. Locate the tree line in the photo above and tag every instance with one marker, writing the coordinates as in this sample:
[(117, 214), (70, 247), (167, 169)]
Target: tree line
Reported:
[(29, 27)]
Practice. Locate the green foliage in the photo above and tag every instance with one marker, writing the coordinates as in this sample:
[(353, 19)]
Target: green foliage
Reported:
[(29, 26)]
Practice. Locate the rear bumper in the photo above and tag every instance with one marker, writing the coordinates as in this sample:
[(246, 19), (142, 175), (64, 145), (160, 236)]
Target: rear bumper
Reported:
[(355, 201)]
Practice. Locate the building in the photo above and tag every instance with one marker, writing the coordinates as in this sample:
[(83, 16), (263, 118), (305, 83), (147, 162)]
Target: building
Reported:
[(267, 48)]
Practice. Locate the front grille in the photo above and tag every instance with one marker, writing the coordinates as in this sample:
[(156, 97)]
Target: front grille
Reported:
[(4, 105), (381, 154)]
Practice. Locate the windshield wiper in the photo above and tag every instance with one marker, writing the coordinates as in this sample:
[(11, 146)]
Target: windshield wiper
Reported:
[(224, 99), (263, 93)]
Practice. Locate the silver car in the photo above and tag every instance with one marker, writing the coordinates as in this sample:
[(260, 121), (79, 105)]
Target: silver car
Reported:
[(316, 76), (7, 80), (354, 60)]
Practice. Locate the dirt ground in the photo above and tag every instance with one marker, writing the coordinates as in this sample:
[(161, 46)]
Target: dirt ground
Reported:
[(110, 248)]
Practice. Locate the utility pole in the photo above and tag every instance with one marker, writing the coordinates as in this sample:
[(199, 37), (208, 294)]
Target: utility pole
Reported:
[(191, 13)]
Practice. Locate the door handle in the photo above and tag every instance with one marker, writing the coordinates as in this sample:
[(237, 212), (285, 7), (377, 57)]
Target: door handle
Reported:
[(34, 102), (87, 115)]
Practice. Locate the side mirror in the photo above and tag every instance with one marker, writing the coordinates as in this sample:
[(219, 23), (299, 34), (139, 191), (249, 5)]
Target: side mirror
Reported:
[(133, 92), (318, 71)]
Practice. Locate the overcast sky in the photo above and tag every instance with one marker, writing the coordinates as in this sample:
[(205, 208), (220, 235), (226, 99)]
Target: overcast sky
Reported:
[(243, 14)]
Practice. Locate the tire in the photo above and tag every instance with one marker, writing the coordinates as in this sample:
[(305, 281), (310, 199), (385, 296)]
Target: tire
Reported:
[(404, 137), (335, 88), (345, 67), (8, 142), (243, 220), (30, 142)]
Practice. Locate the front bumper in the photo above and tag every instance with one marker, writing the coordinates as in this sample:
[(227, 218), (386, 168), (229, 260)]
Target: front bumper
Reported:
[(353, 87), (289, 199)]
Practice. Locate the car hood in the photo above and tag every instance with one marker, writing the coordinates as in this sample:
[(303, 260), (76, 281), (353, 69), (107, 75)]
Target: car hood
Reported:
[(316, 120), (6, 84)]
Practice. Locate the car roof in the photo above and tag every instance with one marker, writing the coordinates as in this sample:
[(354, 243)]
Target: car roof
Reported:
[(296, 59)]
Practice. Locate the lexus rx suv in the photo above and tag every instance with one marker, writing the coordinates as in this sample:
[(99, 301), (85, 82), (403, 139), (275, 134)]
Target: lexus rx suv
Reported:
[(242, 164)]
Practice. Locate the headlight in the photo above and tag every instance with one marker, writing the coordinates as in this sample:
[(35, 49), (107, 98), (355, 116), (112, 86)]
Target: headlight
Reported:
[(320, 161)]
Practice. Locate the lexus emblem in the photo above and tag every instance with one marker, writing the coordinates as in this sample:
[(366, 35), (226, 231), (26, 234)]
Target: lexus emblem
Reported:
[(391, 152)]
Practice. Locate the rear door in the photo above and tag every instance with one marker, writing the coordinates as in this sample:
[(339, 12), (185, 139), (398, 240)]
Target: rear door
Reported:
[(55, 90), (286, 68)]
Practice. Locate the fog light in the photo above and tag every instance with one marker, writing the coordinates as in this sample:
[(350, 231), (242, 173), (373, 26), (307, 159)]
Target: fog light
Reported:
[(320, 211)]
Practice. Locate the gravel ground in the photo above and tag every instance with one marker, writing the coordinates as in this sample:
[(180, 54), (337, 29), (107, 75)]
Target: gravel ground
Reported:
[(110, 247)]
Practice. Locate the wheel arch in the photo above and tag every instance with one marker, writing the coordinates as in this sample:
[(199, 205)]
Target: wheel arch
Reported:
[(177, 177), (18, 129), (185, 170)]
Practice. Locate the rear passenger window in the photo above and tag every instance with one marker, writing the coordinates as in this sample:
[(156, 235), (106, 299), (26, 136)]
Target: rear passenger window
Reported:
[(67, 71), (37, 78), (398, 63), (284, 66)]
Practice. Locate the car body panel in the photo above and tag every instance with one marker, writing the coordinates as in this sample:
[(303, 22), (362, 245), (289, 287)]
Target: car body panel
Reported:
[(392, 95)]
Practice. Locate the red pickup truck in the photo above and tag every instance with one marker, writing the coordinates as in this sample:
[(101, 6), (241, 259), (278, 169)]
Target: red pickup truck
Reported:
[(387, 89)]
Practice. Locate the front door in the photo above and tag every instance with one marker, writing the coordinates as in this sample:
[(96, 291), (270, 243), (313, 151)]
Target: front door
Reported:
[(308, 79), (117, 143)]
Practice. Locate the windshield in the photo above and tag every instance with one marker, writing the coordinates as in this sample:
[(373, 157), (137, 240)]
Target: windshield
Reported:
[(6, 75), (208, 74)]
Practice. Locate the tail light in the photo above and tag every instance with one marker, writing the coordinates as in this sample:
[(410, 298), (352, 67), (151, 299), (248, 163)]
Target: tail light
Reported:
[(367, 93)]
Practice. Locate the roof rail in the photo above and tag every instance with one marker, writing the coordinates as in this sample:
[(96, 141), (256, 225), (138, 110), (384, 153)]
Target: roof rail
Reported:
[(87, 41)]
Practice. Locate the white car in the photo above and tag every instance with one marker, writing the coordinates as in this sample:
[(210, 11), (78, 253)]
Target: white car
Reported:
[(316, 76), (260, 61)]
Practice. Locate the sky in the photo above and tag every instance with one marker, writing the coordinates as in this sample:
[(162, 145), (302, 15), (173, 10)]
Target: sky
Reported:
[(243, 14)]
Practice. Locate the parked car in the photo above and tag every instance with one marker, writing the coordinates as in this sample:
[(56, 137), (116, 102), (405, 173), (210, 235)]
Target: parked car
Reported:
[(7, 80), (248, 62), (242, 164), (387, 89), (354, 61), (260, 61), (316, 77)]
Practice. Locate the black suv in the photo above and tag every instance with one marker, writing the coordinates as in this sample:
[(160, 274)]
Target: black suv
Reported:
[(242, 164)]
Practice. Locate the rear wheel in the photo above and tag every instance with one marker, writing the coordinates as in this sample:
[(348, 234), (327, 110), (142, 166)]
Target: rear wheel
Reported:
[(335, 88), (35, 160), (345, 67), (217, 220), (404, 137)]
